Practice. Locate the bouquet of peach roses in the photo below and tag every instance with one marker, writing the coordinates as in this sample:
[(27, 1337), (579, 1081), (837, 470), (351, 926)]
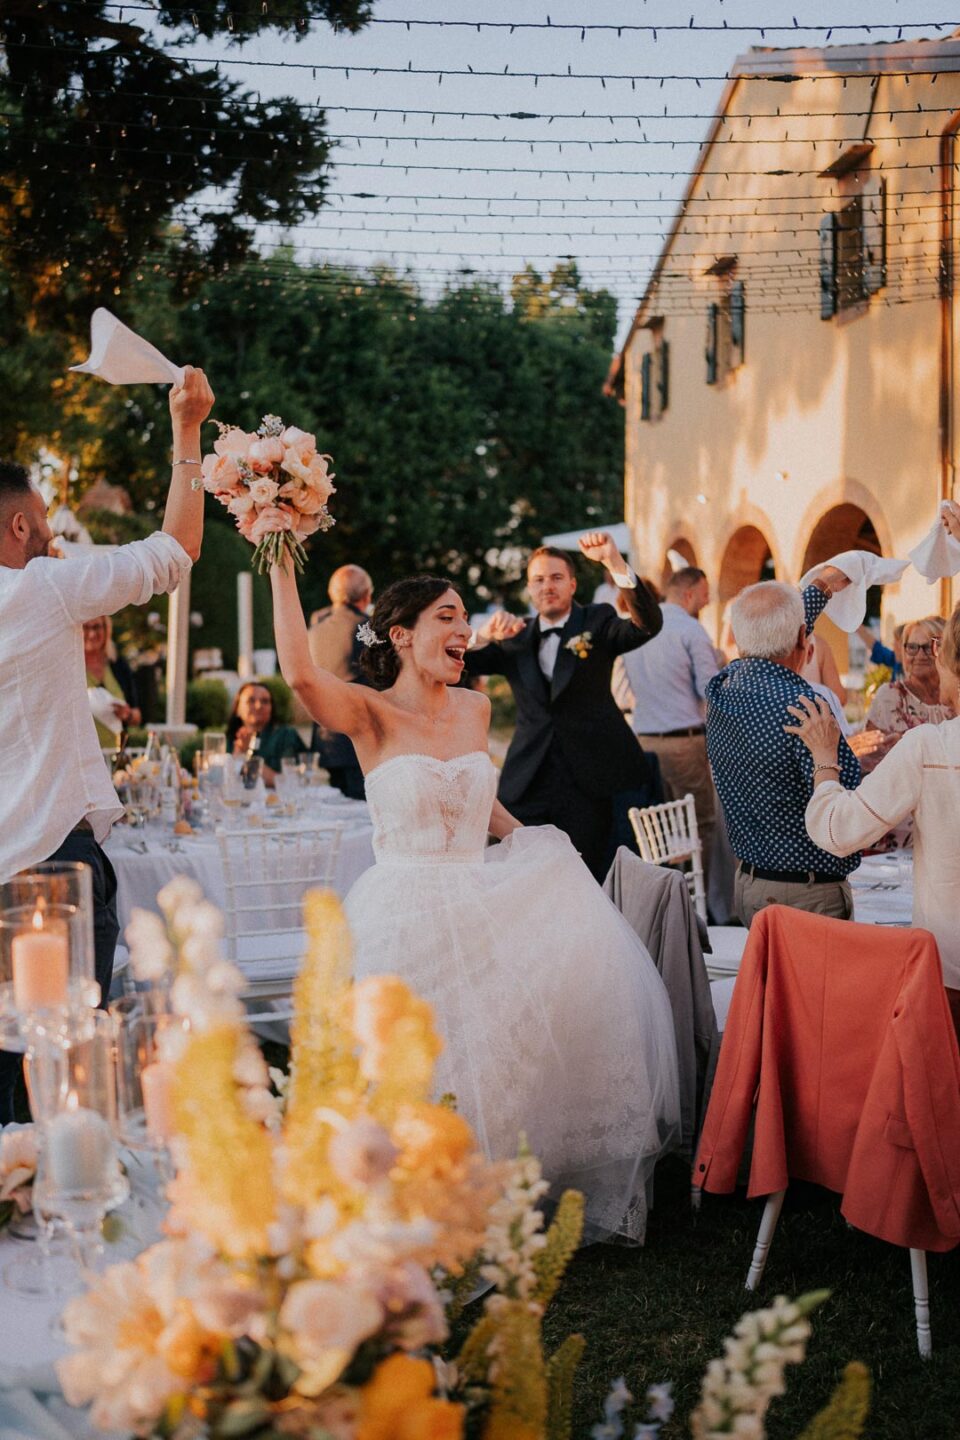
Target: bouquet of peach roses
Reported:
[(274, 484)]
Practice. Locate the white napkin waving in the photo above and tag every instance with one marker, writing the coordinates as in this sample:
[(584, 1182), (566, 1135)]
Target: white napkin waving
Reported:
[(848, 608), (121, 357), (101, 706), (937, 557)]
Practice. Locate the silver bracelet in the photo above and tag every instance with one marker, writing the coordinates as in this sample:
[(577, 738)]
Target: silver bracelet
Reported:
[(826, 767), (198, 463)]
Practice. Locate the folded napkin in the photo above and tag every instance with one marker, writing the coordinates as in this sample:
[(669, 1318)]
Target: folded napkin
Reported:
[(121, 357), (937, 557), (101, 706), (848, 608)]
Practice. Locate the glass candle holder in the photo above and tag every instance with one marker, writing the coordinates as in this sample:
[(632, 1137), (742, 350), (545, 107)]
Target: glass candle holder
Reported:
[(46, 952), (144, 1070)]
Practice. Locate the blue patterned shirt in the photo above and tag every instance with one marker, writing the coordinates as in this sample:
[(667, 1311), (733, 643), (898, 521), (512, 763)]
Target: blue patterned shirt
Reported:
[(764, 777)]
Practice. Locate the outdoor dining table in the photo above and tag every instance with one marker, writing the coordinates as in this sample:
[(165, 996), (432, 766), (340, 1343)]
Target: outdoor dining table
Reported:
[(146, 858)]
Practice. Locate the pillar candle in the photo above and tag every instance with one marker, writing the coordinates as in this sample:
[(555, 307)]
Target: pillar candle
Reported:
[(40, 960), (79, 1149), (156, 1083)]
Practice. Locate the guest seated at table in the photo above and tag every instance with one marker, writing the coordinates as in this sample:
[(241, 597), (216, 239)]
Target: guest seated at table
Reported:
[(914, 699), (107, 670), (920, 777), (251, 730)]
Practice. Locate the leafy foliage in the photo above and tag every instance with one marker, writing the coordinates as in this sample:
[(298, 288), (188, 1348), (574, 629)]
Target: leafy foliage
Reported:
[(109, 131)]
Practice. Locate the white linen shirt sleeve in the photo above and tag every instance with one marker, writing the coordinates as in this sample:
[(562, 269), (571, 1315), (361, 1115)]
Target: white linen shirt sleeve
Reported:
[(107, 580), (842, 821)]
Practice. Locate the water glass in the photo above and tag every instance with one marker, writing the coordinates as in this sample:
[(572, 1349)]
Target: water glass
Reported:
[(214, 743), (144, 1073)]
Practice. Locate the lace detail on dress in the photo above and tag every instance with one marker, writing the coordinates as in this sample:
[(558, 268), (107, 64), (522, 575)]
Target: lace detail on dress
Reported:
[(425, 808)]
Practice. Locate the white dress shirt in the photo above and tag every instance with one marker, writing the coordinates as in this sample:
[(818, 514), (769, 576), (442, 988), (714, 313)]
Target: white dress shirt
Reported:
[(550, 644), (52, 773)]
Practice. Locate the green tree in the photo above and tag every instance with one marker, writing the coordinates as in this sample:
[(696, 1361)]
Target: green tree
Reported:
[(108, 131)]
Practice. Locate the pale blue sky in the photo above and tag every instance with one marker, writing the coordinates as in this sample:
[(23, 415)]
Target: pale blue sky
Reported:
[(611, 223)]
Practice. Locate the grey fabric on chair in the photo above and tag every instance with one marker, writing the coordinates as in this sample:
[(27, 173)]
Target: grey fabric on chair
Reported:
[(656, 902)]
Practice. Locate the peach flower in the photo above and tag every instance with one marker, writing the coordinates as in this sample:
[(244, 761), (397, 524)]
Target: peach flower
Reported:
[(235, 442), (263, 491), (18, 1165), (398, 1404), (302, 441), (264, 454), (220, 474), (245, 525), (241, 505)]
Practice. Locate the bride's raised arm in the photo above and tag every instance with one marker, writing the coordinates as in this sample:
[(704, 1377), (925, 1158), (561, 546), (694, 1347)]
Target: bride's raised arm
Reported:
[(348, 709)]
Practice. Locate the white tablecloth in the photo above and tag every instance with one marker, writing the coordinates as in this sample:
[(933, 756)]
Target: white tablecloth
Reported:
[(146, 859)]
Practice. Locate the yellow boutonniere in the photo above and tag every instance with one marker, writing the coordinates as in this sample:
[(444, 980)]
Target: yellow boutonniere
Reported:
[(581, 645)]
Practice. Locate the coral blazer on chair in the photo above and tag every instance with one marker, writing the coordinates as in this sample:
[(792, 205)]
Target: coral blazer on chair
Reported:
[(840, 1035)]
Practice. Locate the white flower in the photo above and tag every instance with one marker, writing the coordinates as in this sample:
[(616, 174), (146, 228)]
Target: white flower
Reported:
[(181, 890), (515, 1233), (151, 954), (737, 1390), (660, 1404), (18, 1165)]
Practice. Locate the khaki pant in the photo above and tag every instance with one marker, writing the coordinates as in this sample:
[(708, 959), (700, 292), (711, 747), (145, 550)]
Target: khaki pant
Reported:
[(833, 898), (685, 770)]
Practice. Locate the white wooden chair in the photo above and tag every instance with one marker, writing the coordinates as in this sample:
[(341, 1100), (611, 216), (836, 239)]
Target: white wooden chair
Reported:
[(266, 875), (668, 835), (918, 1271)]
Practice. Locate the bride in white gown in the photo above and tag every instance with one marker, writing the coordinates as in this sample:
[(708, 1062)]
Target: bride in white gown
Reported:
[(554, 1019)]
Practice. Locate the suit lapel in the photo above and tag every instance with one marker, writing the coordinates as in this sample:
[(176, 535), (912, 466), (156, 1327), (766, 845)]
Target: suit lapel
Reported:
[(566, 660), (528, 661)]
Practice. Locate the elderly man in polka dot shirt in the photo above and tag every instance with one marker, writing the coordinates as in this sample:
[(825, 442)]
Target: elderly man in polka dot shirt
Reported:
[(765, 777)]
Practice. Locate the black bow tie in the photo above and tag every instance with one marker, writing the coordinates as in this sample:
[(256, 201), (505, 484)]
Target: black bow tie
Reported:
[(554, 630)]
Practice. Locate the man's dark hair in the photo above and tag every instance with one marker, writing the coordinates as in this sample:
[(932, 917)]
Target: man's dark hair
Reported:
[(686, 578), (554, 554), (14, 483)]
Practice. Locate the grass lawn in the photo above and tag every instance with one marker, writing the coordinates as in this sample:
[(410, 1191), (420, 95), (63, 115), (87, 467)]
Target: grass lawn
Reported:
[(662, 1312)]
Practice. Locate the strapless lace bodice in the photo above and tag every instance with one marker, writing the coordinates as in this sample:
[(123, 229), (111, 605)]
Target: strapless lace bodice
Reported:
[(425, 809)]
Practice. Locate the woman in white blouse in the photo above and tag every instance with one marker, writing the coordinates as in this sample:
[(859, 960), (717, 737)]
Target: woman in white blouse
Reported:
[(919, 777)]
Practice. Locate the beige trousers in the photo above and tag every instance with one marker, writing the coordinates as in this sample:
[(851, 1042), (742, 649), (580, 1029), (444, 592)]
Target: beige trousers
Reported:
[(750, 895), (685, 770)]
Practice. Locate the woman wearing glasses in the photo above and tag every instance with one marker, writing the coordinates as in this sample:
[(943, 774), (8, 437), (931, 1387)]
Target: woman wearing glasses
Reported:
[(914, 699)]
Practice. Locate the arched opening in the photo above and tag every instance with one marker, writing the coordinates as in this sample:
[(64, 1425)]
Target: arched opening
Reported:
[(746, 559), (843, 527), (678, 554)]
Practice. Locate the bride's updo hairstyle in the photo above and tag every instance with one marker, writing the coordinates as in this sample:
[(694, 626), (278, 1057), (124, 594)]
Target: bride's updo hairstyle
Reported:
[(402, 603)]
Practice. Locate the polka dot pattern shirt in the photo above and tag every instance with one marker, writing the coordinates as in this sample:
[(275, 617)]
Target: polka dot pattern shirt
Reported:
[(765, 778)]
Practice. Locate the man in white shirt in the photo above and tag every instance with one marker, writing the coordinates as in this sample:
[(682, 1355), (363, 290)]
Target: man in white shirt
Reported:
[(669, 679), (57, 801)]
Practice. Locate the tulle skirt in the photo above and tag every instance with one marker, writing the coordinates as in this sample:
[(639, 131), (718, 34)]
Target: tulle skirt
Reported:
[(555, 1021)]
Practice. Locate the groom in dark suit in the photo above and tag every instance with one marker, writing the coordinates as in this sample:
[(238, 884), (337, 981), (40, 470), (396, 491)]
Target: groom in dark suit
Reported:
[(572, 750)]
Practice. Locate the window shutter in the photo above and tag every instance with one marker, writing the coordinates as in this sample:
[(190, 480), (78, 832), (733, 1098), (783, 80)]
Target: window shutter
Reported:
[(646, 368), (738, 312), (713, 315), (663, 380), (875, 237), (828, 267)]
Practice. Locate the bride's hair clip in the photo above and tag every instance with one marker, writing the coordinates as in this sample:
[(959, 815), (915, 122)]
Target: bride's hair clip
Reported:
[(367, 635)]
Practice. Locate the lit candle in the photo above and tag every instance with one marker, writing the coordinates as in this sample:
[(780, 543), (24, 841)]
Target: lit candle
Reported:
[(156, 1083), (79, 1149), (40, 965)]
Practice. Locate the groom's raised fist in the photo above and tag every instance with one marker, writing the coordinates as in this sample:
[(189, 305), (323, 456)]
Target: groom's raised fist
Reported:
[(599, 546)]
